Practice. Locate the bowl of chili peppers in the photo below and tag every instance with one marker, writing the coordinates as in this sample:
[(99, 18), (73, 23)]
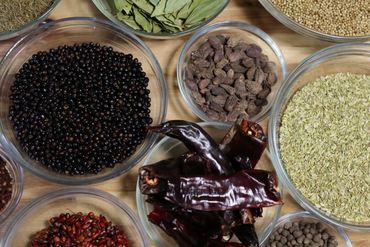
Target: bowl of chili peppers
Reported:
[(75, 217), (208, 185)]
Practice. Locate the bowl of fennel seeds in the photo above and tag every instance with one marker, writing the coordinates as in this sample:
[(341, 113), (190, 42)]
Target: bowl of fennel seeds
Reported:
[(161, 19), (319, 134), (20, 16)]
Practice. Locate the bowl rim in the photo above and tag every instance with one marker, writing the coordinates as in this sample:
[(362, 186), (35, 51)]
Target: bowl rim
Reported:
[(224, 25), (313, 60), (299, 28), (76, 191), (26, 27), (307, 215), (139, 197), (16, 172), (160, 35), (151, 138)]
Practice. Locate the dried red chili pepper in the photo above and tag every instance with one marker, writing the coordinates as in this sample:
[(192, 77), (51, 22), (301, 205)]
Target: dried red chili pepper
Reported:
[(214, 243), (246, 233), (197, 140), (84, 230)]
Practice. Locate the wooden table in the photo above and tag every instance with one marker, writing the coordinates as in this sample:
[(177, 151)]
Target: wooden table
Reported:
[(294, 46)]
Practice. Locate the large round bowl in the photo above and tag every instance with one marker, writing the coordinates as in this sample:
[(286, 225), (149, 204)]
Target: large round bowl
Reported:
[(106, 10), (243, 32), (34, 217), (351, 57), (304, 216), (71, 31), (169, 147), (29, 26), (16, 174), (299, 28)]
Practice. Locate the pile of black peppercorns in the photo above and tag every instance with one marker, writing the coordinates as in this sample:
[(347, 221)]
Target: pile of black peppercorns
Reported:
[(302, 234), (78, 109)]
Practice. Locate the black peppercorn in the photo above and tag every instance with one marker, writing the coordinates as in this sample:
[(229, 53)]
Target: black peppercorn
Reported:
[(78, 109)]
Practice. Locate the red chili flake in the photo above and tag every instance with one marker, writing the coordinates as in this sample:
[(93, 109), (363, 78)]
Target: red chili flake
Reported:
[(80, 230), (6, 185)]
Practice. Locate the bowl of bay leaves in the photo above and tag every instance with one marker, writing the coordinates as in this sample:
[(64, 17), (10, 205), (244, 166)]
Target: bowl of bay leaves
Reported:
[(161, 19)]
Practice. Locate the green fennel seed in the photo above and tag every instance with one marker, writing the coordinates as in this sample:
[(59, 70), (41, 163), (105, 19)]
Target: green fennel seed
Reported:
[(325, 144)]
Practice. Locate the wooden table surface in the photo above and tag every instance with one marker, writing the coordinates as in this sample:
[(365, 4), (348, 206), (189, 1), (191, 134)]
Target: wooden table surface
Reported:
[(294, 46)]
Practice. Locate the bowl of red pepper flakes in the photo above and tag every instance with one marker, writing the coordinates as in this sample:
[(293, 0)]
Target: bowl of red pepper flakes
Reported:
[(183, 202), (75, 217)]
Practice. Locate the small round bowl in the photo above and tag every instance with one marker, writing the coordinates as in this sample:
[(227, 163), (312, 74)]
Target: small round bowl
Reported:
[(243, 32), (106, 10), (339, 234), (351, 57), (70, 31), (169, 147), (29, 26), (16, 173), (299, 28), (34, 217)]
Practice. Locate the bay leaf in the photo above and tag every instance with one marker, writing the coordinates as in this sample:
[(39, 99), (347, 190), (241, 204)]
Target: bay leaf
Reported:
[(122, 5), (204, 10), (144, 5), (159, 8), (184, 11), (154, 2), (175, 5), (129, 20), (156, 27), (142, 21)]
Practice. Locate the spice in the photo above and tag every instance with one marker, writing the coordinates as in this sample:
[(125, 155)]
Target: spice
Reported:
[(230, 79), (6, 185), (80, 230), (301, 233), (81, 108), (17, 13), (168, 16), (203, 197), (324, 144), (336, 17)]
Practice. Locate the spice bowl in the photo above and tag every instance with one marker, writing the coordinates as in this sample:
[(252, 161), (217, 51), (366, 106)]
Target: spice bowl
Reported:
[(169, 148), (351, 58), (34, 217), (16, 173), (240, 33), (299, 28), (69, 32), (307, 218), (31, 25), (106, 9)]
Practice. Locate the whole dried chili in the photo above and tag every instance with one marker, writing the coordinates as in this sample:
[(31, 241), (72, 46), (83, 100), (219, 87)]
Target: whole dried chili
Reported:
[(6, 185), (199, 141), (80, 230), (246, 233)]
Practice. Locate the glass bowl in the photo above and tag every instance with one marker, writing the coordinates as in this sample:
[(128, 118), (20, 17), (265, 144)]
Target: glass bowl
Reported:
[(299, 28), (244, 32), (169, 147), (350, 57), (70, 31), (339, 234), (34, 217), (16, 173), (105, 9), (29, 26)]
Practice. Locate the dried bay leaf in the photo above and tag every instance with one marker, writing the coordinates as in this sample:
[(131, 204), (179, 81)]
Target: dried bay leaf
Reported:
[(129, 20), (203, 11), (144, 5), (142, 21), (154, 2), (159, 8), (122, 5), (175, 5)]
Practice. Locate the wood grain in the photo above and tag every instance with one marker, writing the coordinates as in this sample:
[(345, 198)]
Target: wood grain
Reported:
[(294, 46)]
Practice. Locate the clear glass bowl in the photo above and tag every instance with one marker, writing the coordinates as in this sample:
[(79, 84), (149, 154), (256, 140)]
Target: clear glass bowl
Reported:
[(34, 217), (105, 9), (339, 234), (71, 31), (351, 57), (169, 147), (29, 26), (299, 28), (244, 32), (16, 173)]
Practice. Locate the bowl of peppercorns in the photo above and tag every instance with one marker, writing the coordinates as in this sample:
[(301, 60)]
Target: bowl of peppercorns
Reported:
[(78, 95), (75, 217), (11, 185), (303, 229), (230, 71)]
